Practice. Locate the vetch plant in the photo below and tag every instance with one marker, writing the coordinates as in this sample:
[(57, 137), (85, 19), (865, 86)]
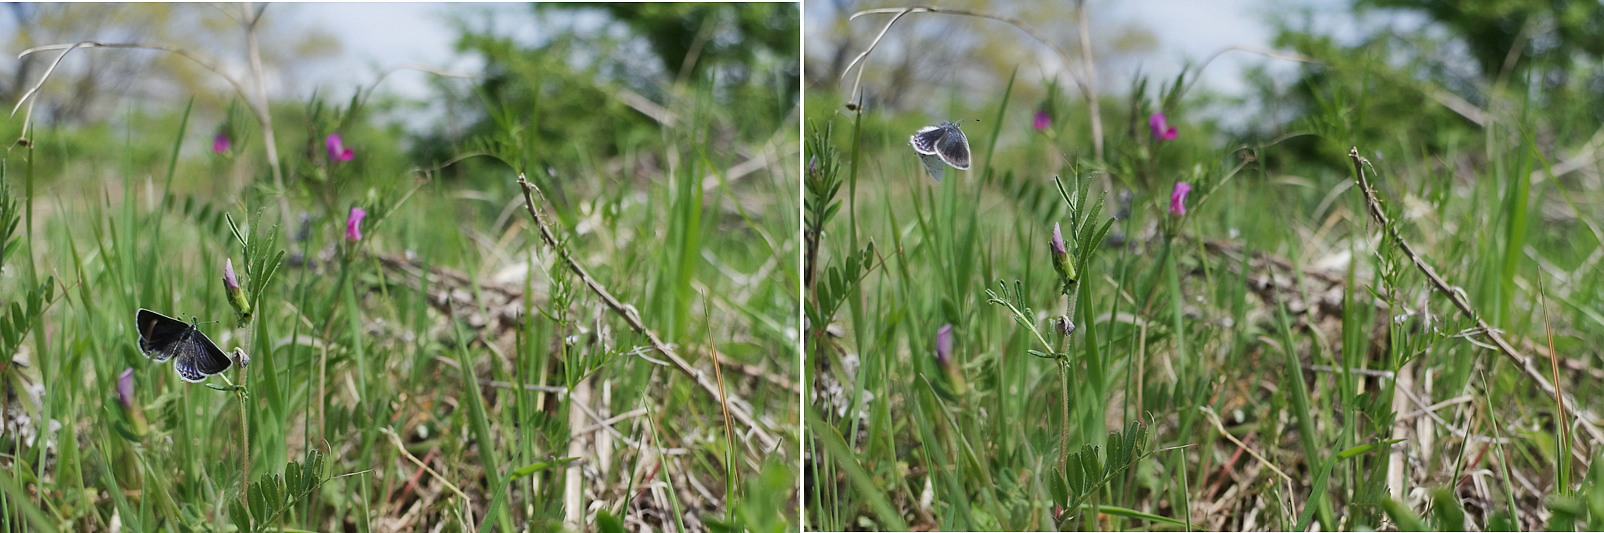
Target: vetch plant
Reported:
[(125, 397), (1162, 130), (951, 368), (1061, 261), (236, 294), (338, 152), (1178, 198), (353, 224), (1087, 241)]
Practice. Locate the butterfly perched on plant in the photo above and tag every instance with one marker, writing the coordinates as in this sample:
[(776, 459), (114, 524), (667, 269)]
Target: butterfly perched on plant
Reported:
[(194, 356), (943, 143)]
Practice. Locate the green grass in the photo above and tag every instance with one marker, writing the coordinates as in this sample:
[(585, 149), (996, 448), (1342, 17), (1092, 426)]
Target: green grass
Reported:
[(360, 362), (1255, 316)]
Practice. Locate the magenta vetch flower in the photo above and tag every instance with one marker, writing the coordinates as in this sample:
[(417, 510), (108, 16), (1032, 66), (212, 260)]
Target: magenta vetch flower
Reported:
[(1178, 198), (1043, 120), (1058, 240), (236, 295), (353, 224), (125, 388), (955, 383), (221, 143), (1062, 262), (230, 281), (1162, 131), (337, 149), (1065, 325)]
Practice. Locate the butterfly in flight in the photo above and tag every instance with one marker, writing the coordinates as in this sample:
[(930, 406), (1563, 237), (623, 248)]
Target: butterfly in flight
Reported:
[(943, 143), (194, 356)]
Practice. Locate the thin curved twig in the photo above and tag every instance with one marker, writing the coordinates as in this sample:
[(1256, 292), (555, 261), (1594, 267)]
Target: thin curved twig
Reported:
[(68, 48), (1266, 52), (398, 68)]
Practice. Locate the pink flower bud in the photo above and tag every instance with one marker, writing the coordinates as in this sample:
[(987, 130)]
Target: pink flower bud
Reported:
[(944, 346), (1178, 198), (353, 224), (337, 150), (230, 281), (1162, 131), (125, 388)]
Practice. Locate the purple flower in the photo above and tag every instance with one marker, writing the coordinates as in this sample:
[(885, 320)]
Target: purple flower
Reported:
[(125, 388), (236, 295), (1043, 120), (230, 281), (955, 374), (337, 149), (1058, 240), (1162, 131), (1178, 198), (1065, 325), (1061, 261), (353, 224), (221, 143)]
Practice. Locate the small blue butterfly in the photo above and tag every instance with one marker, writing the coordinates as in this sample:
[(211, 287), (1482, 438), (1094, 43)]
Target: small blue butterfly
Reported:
[(941, 144), (194, 356)]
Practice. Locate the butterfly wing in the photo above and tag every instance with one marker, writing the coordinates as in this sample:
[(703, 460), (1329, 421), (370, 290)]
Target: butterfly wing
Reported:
[(159, 334), (933, 165), (926, 139), (162, 337), (198, 357), (953, 147)]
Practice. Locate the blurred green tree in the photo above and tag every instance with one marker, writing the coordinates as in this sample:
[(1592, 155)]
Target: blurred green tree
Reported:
[(1515, 34), (1428, 84), (602, 80)]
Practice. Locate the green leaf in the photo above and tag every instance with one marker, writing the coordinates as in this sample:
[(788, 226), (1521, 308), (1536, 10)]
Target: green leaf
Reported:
[(1075, 478), (1402, 516), (1366, 448), (607, 523), (1090, 464), (257, 501), (237, 513), (1058, 487), (536, 467), (1132, 513), (1446, 512)]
